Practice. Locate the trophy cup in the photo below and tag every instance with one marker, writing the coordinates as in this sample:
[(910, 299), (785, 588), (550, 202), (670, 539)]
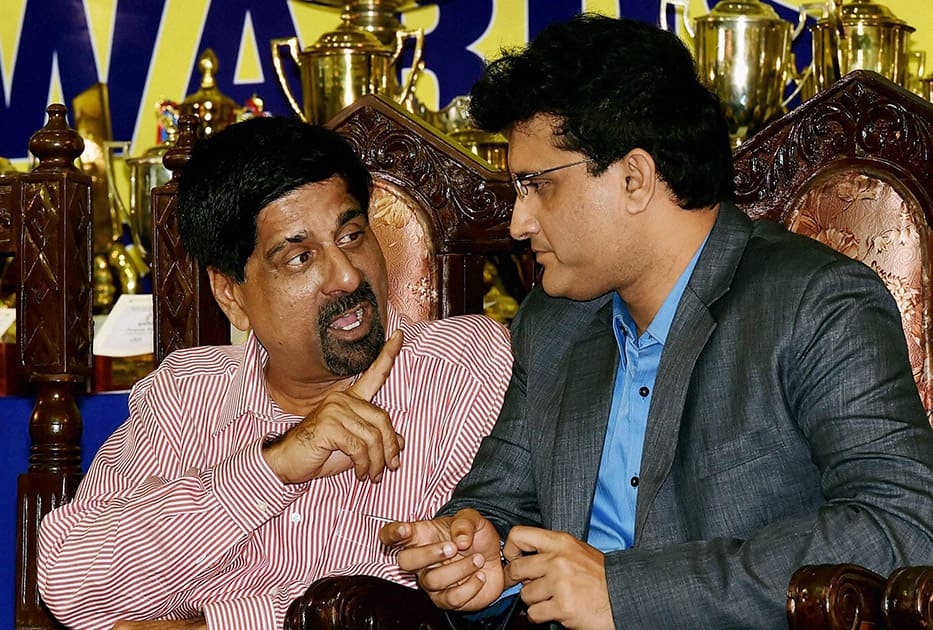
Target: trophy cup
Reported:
[(742, 51), (145, 172), (860, 35), (356, 59)]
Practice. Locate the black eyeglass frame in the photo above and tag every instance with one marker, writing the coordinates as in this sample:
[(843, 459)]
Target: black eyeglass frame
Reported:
[(518, 181)]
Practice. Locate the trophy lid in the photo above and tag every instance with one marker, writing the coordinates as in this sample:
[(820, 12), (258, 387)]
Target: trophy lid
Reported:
[(216, 110), (746, 10), (349, 38), (868, 12)]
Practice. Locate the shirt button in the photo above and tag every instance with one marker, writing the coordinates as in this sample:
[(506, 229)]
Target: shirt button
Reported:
[(643, 392), (634, 481), (261, 506), (295, 517)]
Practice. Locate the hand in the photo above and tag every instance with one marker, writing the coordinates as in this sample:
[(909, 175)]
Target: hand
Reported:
[(456, 558), (345, 431), (564, 578), (181, 624)]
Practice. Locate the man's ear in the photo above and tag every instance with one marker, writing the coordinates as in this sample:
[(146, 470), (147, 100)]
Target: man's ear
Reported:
[(227, 292), (641, 179)]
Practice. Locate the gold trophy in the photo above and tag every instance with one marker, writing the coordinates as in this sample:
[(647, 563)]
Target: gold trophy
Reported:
[(144, 172), (860, 35), (356, 59), (742, 50)]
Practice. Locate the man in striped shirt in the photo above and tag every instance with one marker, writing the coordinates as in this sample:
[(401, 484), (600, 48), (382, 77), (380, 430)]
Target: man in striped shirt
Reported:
[(244, 473)]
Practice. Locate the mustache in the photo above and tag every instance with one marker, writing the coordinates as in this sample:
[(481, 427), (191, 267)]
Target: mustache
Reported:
[(362, 294)]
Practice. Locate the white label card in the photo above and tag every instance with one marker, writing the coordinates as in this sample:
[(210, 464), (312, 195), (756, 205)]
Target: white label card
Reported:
[(7, 317), (128, 330)]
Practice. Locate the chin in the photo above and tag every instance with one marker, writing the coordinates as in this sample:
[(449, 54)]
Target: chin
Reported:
[(568, 289)]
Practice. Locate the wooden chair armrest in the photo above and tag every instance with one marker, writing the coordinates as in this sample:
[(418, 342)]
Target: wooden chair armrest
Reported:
[(362, 601), (834, 597), (908, 598)]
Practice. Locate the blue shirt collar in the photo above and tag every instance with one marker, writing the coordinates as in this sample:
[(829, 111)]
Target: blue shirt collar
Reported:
[(660, 326)]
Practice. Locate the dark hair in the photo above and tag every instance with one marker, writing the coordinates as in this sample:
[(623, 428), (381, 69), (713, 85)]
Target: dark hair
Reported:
[(615, 85), (237, 172)]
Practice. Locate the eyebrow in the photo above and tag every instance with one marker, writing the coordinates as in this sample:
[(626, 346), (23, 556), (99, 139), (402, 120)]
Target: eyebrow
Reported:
[(345, 217), (294, 238), (348, 215)]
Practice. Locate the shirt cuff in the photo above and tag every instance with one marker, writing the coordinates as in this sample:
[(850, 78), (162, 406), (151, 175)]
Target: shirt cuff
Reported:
[(248, 490)]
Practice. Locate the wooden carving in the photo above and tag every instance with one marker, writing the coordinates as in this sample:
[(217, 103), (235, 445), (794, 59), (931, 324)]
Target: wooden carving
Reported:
[(186, 313), (54, 329), (467, 204), (834, 597), (908, 598), (862, 118)]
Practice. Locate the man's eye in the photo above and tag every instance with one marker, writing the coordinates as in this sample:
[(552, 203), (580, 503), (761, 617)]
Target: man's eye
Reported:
[(534, 186), (300, 259), (350, 237)]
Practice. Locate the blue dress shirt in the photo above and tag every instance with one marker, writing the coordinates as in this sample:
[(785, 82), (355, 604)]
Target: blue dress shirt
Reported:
[(612, 521)]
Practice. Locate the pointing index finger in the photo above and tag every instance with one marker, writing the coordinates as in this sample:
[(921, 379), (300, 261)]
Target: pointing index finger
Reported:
[(376, 374)]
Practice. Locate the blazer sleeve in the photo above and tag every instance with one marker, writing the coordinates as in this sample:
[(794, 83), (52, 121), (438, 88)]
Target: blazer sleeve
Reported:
[(501, 482)]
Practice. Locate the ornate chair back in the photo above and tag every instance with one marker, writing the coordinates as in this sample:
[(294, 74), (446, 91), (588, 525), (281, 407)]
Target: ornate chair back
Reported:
[(851, 168)]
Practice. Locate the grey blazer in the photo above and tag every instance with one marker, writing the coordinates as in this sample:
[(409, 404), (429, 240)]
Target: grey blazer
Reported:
[(785, 429)]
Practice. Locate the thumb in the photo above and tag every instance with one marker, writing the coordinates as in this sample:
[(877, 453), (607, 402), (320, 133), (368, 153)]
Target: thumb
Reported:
[(376, 374)]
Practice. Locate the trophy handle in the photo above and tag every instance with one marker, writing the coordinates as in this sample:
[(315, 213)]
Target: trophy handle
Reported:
[(799, 79), (292, 43), (916, 69), (417, 62), (802, 16), (118, 211), (683, 4)]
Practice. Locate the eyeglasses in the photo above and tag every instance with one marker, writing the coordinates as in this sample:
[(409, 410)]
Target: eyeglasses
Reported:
[(521, 181)]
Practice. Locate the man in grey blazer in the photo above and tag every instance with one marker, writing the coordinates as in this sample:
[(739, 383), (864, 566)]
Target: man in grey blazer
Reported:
[(699, 403)]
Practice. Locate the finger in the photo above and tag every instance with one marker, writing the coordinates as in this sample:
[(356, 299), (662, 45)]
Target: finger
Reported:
[(424, 556), (374, 426), (450, 574), (536, 591), (525, 568), (526, 539), (376, 374), (460, 597), (463, 528), (542, 612), (396, 533)]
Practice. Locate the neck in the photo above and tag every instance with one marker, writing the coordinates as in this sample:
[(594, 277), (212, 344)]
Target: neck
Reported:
[(301, 397), (677, 236)]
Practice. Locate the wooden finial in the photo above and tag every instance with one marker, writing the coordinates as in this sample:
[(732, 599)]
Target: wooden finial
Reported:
[(56, 145), (175, 158)]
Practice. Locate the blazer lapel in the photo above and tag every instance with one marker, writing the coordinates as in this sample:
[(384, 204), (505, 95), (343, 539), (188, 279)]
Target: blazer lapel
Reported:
[(581, 425), (691, 329)]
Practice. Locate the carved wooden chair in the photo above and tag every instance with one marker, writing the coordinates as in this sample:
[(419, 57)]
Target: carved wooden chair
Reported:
[(45, 222), (851, 167)]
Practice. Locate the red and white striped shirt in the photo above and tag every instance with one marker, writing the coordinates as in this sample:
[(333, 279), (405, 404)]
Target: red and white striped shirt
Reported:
[(179, 515)]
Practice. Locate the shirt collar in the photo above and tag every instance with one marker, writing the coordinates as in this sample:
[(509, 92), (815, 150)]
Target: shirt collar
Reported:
[(660, 326), (248, 392)]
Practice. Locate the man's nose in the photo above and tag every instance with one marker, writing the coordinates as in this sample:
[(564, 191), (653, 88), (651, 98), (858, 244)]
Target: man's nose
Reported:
[(341, 274), (523, 224)]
